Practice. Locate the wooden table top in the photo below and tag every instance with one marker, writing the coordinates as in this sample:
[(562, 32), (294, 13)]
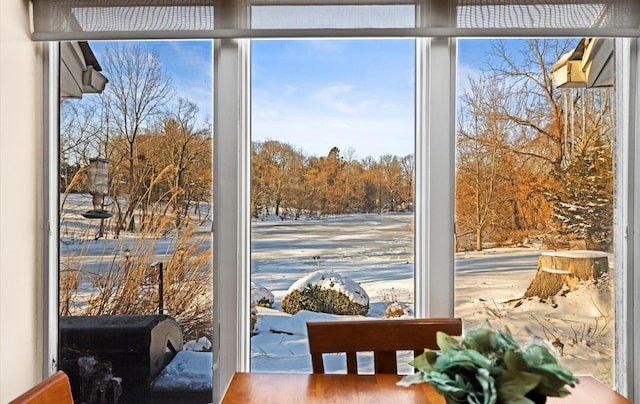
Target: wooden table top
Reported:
[(296, 388)]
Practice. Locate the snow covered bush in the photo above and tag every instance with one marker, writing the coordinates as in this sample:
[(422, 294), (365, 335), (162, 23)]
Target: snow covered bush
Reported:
[(326, 292), (261, 296)]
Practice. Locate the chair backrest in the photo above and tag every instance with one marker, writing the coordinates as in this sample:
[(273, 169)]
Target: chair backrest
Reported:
[(54, 389), (382, 337)]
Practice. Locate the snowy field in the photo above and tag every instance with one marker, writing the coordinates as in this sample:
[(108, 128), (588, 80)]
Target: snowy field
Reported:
[(376, 251)]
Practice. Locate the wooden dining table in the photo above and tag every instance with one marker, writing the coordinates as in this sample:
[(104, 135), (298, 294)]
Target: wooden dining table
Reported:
[(296, 388)]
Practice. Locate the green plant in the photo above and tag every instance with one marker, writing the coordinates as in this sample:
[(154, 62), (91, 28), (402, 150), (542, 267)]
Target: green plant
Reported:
[(487, 366)]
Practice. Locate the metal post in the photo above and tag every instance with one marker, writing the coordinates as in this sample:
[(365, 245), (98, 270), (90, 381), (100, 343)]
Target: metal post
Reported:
[(160, 290)]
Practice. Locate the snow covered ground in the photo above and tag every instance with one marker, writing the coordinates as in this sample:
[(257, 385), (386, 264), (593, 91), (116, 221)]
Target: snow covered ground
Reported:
[(376, 251)]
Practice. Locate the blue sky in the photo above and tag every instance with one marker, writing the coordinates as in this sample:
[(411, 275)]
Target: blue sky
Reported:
[(357, 95), (354, 94), (188, 62)]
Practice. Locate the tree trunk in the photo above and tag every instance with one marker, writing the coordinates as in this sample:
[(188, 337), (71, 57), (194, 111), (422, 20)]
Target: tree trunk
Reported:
[(479, 239), (566, 268)]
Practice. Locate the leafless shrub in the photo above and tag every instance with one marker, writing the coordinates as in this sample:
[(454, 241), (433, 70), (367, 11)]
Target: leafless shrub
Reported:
[(393, 306)]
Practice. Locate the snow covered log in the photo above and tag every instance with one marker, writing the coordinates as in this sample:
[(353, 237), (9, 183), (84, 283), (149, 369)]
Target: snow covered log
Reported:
[(558, 269)]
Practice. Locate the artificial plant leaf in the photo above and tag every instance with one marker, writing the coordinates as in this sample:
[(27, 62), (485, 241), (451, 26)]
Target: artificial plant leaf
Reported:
[(456, 388), (563, 374), (482, 339), (513, 386), (552, 383), (467, 359), (424, 362), (413, 378), (514, 360), (489, 392), (554, 376), (505, 339), (537, 355), (447, 342)]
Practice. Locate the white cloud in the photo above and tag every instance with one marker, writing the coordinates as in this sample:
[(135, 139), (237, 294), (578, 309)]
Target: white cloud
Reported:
[(465, 73), (290, 89), (317, 131), (335, 97)]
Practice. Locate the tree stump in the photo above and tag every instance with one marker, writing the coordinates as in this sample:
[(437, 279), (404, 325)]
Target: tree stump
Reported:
[(559, 268)]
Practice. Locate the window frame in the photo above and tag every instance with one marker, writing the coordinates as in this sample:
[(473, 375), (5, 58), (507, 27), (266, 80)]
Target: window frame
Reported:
[(434, 253)]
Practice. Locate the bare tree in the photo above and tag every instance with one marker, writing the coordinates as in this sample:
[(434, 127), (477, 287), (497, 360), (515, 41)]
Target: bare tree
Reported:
[(183, 147), (555, 125), (480, 139), (138, 90), (548, 134)]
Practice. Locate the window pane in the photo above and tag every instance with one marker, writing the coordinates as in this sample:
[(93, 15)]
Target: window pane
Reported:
[(534, 195), (135, 220), (331, 189)]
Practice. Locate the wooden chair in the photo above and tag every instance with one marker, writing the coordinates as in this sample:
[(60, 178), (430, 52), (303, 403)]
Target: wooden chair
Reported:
[(383, 337), (55, 389)]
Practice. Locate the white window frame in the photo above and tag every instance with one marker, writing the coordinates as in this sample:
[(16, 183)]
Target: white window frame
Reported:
[(627, 219), (434, 201)]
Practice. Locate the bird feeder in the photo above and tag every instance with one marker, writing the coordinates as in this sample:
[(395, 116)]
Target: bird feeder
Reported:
[(98, 185)]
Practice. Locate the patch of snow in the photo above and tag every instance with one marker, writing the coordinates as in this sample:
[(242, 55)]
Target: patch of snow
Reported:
[(188, 371), (297, 324), (202, 344), (577, 254)]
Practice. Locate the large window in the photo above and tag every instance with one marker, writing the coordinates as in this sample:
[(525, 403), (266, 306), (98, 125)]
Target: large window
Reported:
[(534, 194), (435, 27), (135, 247), (317, 204), (332, 181)]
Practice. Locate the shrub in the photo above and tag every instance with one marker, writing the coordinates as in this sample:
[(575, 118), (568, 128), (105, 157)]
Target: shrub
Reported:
[(261, 296), (395, 310), (324, 292)]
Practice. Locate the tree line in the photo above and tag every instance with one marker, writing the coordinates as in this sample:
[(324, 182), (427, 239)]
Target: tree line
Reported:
[(291, 185), (532, 160)]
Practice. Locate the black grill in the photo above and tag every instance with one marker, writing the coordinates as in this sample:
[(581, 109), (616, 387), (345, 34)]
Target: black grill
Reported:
[(137, 347)]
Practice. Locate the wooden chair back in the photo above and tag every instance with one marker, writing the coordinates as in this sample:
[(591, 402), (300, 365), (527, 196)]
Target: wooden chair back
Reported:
[(54, 389), (382, 337)]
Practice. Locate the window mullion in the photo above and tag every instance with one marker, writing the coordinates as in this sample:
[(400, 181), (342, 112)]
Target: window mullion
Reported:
[(434, 220), (231, 212), (627, 242), (50, 189)]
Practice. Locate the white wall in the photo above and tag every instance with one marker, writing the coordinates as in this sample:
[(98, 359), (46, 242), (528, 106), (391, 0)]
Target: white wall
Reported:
[(21, 89)]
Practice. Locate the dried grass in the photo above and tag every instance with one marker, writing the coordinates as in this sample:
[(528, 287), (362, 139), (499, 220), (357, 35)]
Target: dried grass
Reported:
[(129, 284)]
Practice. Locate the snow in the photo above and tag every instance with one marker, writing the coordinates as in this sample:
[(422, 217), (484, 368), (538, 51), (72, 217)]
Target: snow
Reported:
[(202, 344), (376, 253), (188, 371), (576, 254), (261, 295), (332, 281)]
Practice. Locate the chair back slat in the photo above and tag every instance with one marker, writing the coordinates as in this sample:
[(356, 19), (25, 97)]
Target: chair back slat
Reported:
[(385, 362), (383, 337), (317, 363), (352, 362), (53, 389)]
